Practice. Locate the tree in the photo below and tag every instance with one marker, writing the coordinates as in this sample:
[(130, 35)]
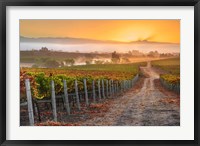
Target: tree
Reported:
[(69, 61), (44, 49), (41, 61), (115, 57), (51, 64), (88, 62), (153, 54), (125, 60), (107, 62), (98, 62), (62, 64)]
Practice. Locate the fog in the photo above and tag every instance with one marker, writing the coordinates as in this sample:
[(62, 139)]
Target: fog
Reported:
[(121, 48)]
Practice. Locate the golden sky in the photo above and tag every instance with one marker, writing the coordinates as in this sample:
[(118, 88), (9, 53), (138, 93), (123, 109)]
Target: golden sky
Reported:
[(117, 30)]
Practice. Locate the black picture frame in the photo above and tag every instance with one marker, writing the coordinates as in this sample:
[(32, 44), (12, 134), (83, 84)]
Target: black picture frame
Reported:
[(5, 3)]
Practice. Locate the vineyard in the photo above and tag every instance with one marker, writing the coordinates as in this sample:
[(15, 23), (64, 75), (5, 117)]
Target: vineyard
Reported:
[(72, 88), (171, 78)]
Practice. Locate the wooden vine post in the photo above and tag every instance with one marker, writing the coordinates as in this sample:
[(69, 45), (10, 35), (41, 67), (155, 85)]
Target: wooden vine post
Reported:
[(77, 97), (110, 88), (93, 91), (117, 87), (86, 93), (53, 101), (107, 88), (66, 97), (103, 91), (29, 101), (99, 89)]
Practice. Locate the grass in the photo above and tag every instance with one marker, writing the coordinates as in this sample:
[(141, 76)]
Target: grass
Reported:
[(133, 67), (170, 66)]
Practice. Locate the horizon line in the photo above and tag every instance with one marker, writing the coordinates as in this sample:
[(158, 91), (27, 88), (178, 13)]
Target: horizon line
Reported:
[(123, 42)]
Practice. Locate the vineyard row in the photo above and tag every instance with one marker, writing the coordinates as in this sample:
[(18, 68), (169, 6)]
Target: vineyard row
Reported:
[(171, 86), (104, 89)]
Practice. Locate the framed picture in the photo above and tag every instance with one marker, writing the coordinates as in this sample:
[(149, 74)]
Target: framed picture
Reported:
[(99, 72)]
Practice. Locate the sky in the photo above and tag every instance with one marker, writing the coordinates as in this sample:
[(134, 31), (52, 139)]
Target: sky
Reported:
[(116, 30)]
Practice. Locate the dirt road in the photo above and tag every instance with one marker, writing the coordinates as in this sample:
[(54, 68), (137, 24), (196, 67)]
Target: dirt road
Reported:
[(141, 107)]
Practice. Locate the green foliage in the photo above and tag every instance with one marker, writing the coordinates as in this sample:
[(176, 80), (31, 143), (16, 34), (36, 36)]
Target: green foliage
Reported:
[(115, 57), (171, 66), (69, 61), (51, 64), (153, 54), (88, 62), (172, 69), (115, 60), (98, 62), (125, 60), (40, 61), (133, 67), (43, 76), (43, 84), (27, 59), (171, 79)]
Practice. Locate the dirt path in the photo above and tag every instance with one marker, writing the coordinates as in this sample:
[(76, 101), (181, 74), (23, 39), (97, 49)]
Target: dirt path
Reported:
[(142, 107)]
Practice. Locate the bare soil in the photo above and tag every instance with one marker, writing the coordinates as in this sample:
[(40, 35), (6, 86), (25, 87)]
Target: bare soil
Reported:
[(147, 106)]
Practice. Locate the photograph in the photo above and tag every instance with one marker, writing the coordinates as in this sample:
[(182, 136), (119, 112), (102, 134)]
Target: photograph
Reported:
[(99, 72)]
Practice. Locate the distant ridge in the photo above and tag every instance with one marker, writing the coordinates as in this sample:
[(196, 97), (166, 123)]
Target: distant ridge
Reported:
[(70, 40)]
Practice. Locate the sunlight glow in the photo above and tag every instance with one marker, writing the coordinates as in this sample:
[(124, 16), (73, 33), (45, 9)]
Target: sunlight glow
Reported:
[(117, 30)]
